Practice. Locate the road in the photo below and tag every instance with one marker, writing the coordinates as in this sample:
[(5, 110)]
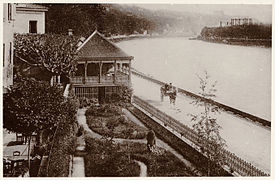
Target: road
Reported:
[(248, 140)]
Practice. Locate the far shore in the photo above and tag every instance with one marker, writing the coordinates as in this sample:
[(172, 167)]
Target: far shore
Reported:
[(267, 43)]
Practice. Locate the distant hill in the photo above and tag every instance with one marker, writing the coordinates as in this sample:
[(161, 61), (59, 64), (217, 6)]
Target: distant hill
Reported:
[(113, 19)]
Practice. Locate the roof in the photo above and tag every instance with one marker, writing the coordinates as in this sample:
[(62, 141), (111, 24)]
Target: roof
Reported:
[(97, 47), (30, 7)]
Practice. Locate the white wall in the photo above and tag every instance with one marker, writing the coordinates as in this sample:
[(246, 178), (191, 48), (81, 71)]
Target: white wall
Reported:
[(23, 18), (8, 30)]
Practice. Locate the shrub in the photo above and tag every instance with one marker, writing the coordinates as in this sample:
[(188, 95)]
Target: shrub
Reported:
[(106, 159), (64, 142), (109, 120)]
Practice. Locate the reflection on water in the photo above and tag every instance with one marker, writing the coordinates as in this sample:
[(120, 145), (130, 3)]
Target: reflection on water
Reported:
[(243, 73)]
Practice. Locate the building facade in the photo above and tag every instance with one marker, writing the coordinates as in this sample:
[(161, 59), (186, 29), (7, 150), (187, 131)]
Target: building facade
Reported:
[(30, 18), (8, 31)]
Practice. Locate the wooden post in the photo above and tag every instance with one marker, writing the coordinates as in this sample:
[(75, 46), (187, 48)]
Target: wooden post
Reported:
[(85, 74), (58, 79), (115, 71), (130, 73), (100, 71), (52, 80)]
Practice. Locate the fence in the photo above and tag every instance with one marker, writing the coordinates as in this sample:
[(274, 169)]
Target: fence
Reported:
[(220, 105), (231, 160)]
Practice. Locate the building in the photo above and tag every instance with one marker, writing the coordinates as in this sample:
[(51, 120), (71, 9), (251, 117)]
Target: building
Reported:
[(30, 18), (8, 30), (102, 68)]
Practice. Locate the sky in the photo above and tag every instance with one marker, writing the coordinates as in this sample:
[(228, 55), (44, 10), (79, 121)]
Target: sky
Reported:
[(261, 12)]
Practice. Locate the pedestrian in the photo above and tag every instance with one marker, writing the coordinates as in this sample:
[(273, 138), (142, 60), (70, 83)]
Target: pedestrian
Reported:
[(151, 140)]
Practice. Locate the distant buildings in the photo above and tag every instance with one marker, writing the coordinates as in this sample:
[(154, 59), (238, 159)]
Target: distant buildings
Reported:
[(8, 30), (30, 18), (237, 21)]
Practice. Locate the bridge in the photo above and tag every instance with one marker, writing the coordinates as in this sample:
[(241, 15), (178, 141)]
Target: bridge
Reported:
[(254, 162)]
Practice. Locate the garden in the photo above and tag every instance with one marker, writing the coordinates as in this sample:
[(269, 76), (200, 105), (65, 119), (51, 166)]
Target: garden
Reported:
[(113, 157)]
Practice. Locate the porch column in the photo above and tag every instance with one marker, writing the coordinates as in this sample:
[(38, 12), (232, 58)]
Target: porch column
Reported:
[(115, 71), (58, 79), (85, 74), (100, 71), (52, 80)]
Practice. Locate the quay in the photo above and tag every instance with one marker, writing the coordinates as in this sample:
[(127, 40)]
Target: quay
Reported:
[(240, 134)]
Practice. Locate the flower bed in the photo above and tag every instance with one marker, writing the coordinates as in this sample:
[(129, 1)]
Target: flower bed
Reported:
[(105, 159), (117, 160), (109, 120)]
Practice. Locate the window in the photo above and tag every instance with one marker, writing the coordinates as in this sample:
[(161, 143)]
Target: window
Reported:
[(33, 27), (4, 51), (10, 52), (9, 12)]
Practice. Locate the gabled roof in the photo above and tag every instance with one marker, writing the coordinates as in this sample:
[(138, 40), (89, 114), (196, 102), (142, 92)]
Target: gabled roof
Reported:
[(30, 7), (97, 47)]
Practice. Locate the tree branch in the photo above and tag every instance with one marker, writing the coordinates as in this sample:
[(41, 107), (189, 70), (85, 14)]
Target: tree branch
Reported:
[(37, 65)]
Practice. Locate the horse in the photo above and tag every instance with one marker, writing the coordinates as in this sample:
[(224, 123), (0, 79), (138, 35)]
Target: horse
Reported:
[(172, 96), (168, 91)]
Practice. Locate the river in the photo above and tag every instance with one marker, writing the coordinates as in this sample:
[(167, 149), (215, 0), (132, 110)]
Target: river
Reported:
[(243, 74)]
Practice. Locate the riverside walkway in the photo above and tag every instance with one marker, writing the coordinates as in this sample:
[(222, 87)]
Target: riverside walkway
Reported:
[(249, 140)]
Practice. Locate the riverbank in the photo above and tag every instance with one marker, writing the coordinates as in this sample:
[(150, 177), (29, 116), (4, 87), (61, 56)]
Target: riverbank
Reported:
[(238, 41), (120, 38), (245, 35)]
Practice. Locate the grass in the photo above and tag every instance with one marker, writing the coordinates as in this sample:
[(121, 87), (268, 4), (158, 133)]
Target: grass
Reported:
[(109, 120)]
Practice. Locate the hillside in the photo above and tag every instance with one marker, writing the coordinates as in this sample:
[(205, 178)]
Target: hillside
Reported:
[(114, 19)]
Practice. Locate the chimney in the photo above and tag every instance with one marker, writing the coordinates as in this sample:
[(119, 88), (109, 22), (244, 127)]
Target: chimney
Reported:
[(80, 41), (70, 32)]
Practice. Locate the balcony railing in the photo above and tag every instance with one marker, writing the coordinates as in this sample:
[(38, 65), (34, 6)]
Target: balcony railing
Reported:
[(90, 80)]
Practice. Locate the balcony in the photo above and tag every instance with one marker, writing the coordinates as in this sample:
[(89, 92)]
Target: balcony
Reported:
[(105, 80)]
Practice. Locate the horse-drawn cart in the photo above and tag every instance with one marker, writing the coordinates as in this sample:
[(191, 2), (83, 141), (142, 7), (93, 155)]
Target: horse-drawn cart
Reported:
[(168, 90)]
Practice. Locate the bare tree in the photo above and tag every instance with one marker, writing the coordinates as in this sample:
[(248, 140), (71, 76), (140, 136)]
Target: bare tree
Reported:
[(206, 126)]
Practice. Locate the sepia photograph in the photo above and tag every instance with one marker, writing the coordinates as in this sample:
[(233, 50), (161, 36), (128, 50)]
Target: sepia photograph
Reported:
[(119, 89)]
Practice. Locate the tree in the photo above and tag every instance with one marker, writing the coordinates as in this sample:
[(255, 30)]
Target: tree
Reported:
[(32, 106), (54, 53), (206, 126)]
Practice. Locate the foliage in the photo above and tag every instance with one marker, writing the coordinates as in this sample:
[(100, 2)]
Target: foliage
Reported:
[(252, 31), (64, 142), (32, 106), (106, 159), (109, 120), (187, 151), (51, 53), (101, 161), (122, 97), (85, 18), (206, 126)]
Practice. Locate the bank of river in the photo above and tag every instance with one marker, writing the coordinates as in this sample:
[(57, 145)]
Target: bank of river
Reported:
[(243, 73)]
